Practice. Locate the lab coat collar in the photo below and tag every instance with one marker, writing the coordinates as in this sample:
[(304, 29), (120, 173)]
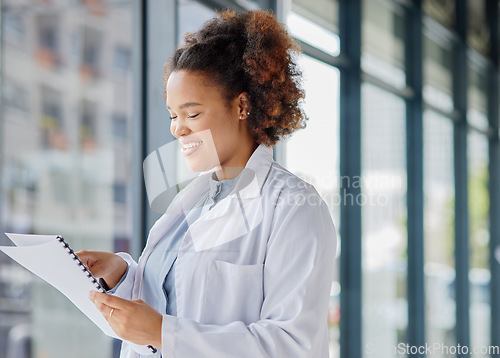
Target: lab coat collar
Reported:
[(254, 174), (242, 207), (220, 187)]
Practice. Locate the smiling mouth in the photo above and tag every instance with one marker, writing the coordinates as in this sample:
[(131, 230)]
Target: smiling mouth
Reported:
[(191, 145)]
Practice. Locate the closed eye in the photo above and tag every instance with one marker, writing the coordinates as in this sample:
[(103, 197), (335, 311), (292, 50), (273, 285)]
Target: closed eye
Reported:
[(194, 115)]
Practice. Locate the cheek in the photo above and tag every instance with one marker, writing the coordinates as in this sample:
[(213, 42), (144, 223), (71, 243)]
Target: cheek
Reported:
[(223, 134)]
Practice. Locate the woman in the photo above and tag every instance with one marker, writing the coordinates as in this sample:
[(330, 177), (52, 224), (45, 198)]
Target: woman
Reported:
[(241, 263)]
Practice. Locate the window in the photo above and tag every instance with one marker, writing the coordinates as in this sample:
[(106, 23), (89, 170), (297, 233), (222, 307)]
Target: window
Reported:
[(439, 230), (51, 182), (47, 52), (47, 32), (71, 134), (51, 120), (478, 33), (122, 58), (316, 23), (438, 80), (323, 13), (313, 155), (192, 15), (15, 95), (441, 10), (383, 42), (479, 203), (88, 125), (383, 205), (477, 97), (14, 28), (119, 124), (479, 239), (120, 193), (91, 52)]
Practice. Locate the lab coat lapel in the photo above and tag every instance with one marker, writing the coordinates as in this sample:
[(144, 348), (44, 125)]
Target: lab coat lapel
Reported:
[(232, 218)]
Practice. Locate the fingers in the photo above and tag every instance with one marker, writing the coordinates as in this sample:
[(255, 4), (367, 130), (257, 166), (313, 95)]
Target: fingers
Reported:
[(104, 304), (108, 300), (131, 320), (107, 311)]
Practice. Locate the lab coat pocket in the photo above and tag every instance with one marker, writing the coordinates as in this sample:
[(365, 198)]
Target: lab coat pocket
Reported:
[(233, 293)]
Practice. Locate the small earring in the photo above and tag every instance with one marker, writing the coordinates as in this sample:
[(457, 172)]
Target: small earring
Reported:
[(248, 113)]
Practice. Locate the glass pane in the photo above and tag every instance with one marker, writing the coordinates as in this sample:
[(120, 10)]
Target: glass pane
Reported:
[(384, 215), (191, 16), (312, 154), (438, 80), (383, 42), (477, 97), (478, 33), (479, 274), (325, 13), (442, 10), (66, 159), (316, 23), (439, 229)]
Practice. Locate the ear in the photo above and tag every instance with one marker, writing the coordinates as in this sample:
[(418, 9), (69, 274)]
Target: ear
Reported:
[(244, 107)]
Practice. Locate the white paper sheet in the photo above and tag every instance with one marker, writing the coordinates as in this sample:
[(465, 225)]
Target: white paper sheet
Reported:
[(46, 257)]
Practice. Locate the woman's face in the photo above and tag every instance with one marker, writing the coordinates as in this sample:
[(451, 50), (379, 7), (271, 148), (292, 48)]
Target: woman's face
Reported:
[(210, 131)]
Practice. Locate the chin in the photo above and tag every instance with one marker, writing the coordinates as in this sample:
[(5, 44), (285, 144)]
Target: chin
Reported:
[(200, 165)]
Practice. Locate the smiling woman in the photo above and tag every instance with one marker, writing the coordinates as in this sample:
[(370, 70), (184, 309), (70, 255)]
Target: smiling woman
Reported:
[(240, 264), (247, 93)]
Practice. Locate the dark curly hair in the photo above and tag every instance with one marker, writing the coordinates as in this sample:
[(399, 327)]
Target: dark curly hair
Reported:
[(249, 52)]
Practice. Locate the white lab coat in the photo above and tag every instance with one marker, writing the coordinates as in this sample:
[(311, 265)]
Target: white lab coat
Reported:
[(253, 274)]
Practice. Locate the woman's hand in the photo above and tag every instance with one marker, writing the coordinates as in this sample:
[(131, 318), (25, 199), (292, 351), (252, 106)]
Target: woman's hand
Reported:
[(132, 320), (109, 266)]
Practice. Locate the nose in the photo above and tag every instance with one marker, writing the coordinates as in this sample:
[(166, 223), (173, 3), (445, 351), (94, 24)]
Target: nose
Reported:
[(178, 128)]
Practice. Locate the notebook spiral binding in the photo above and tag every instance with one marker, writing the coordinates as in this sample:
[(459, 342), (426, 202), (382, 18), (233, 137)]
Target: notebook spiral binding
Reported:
[(89, 274), (81, 264)]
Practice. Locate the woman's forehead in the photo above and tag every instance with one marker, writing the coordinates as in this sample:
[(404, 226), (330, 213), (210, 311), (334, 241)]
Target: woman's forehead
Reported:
[(192, 86)]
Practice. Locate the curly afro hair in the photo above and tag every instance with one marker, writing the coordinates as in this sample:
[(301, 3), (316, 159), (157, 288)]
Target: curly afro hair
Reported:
[(249, 52)]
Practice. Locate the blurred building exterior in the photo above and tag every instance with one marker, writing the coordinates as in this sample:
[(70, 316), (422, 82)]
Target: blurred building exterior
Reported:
[(67, 84), (402, 143)]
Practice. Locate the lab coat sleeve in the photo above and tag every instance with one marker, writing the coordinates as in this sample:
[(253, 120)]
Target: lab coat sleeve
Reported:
[(125, 286), (298, 271)]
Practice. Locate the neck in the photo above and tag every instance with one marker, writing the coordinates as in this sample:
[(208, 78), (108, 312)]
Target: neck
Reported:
[(231, 171), (227, 172)]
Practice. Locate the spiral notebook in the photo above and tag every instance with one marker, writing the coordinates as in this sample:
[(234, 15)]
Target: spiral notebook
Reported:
[(50, 258)]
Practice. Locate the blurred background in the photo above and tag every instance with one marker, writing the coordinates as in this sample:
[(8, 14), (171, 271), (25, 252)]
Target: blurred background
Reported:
[(402, 143)]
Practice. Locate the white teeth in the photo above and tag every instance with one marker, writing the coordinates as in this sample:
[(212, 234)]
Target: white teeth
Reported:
[(191, 145)]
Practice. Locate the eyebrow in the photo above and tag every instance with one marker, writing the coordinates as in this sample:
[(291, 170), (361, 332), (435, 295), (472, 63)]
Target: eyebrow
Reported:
[(186, 105)]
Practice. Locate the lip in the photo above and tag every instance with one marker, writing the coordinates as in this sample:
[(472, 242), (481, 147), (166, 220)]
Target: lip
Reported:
[(189, 151)]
